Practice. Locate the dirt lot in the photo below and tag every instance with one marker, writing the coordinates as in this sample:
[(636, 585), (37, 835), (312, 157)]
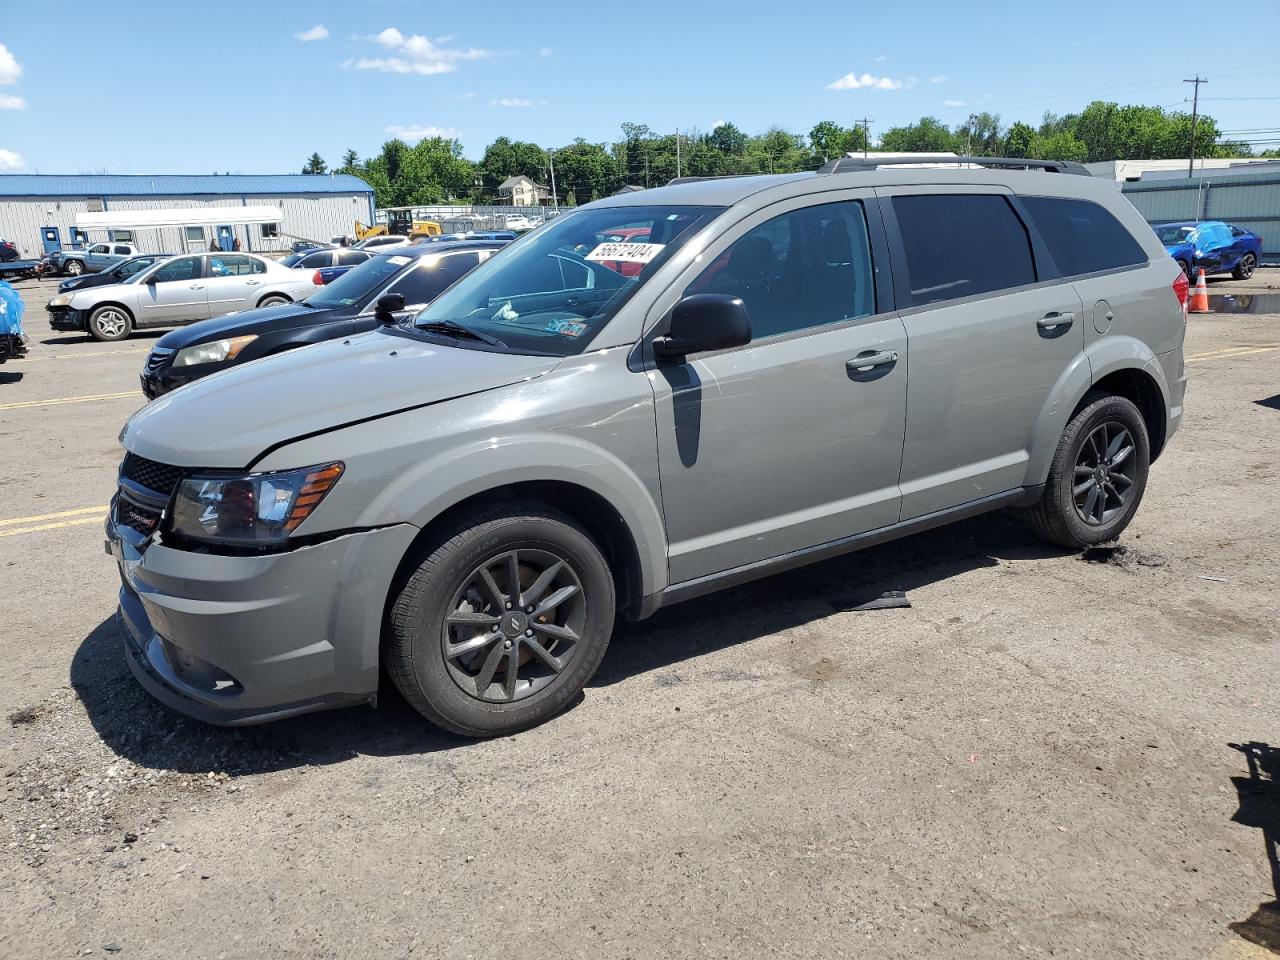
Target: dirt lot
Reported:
[(1046, 754)]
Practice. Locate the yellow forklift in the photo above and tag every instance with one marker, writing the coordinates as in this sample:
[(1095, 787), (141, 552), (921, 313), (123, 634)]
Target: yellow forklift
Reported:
[(400, 223)]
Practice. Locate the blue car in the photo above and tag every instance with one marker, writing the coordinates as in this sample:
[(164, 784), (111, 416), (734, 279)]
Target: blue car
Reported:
[(1211, 245)]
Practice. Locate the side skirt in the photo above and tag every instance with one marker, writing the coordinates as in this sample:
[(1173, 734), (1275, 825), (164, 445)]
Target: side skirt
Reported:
[(689, 589)]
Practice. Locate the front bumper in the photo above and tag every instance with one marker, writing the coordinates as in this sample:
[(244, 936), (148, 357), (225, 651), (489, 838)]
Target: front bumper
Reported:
[(234, 640), (67, 318)]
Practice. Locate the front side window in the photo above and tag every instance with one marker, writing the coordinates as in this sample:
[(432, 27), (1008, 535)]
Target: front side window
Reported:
[(183, 268), (554, 290), (1083, 236), (960, 245), (349, 258), (323, 258), (432, 277), (1169, 234), (100, 248), (801, 269)]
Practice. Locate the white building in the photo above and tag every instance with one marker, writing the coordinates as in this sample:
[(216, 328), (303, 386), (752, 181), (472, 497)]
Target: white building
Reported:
[(1130, 171), (40, 212)]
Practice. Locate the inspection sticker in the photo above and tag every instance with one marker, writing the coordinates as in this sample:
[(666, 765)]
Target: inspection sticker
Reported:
[(567, 328), (398, 260), (626, 252)]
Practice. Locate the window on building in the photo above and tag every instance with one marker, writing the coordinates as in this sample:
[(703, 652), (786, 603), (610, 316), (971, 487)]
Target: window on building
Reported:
[(270, 231), (1083, 236), (122, 236), (801, 269), (959, 245), (194, 234)]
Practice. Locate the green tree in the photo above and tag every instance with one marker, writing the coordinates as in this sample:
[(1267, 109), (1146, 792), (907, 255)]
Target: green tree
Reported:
[(1019, 140), (829, 140), (350, 162), (586, 169), (315, 164), (510, 158), (1060, 146), (927, 135)]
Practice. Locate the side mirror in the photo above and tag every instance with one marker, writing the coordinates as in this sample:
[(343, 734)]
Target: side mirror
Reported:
[(387, 307), (704, 321)]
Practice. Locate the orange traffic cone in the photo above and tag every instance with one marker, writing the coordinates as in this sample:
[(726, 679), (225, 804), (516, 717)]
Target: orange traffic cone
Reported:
[(1199, 295)]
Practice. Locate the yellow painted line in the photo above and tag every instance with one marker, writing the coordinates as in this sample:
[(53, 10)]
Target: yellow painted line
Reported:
[(59, 400), (38, 518), (79, 356), (51, 526), (1224, 355)]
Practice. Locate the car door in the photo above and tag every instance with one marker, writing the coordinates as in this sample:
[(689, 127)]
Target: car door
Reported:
[(97, 257), (991, 329), (235, 282), (174, 293), (429, 278), (795, 439)]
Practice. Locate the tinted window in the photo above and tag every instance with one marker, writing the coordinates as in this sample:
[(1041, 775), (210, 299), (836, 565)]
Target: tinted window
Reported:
[(429, 280), (124, 250), (322, 259), (349, 258), (961, 245), (183, 268), (801, 269), (234, 265), (1083, 236)]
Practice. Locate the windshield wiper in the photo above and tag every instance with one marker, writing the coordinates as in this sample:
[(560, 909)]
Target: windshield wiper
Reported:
[(451, 329)]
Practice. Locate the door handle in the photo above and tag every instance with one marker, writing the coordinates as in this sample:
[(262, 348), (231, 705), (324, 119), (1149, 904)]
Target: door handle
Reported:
[(869, 361), (252, 283), (197, 286), (1052, 321)]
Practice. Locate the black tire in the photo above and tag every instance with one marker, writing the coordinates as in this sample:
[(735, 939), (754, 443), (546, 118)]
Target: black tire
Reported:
[(110, 323), (1186, 270), (1058, 517), (1244, 269), (273, 300), (414, 651), (73, 268)]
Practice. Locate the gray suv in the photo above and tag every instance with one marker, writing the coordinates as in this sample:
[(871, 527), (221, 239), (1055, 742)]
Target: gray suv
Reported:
[(655, 396)]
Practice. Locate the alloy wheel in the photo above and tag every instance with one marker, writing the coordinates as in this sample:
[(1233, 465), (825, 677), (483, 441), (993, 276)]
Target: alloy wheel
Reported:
[(514, 624), (1104, 473), (1246, 266), (111, 323)]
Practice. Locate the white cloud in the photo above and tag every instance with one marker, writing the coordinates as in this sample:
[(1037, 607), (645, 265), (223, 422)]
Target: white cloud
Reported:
[(953, 103), (12, 103), (851, 81), (10, 68), (318, 32), (11, 160), (416, 54), (545, 51), (940, 78), (512, 102), (882, 58), (418, 132)]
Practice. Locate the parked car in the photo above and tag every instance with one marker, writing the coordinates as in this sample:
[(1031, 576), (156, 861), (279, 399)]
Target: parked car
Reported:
[(518, 222), (380, 241), (8, 251), (469, 498), (121, 272), (1213, 246), (341, 309), (328, 257), (93, 259), (179, 291)]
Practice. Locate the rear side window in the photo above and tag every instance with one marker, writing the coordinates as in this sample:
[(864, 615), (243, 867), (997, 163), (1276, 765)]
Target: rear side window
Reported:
[(962, 245), (321, 259), (1083, 236), (428, 280), (349, 258)]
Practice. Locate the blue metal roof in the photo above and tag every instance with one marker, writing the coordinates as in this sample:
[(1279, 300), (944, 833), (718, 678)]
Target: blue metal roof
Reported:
[(168, 185)]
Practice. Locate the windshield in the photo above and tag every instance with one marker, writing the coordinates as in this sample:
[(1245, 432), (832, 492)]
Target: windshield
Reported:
[(1174, 234), (555, 290), (358, 282)]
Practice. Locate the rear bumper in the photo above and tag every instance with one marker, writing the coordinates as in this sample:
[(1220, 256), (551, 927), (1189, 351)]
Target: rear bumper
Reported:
[(241, 640)]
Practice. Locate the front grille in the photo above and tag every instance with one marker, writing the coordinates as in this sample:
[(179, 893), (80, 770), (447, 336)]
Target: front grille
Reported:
[(136, 517), (156, 359), (158, 477)]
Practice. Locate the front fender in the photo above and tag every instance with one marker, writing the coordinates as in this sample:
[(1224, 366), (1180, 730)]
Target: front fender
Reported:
[(1101, 358)]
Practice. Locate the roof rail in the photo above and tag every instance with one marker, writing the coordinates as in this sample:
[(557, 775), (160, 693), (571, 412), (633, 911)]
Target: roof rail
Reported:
[(724, 176), (855, 164)]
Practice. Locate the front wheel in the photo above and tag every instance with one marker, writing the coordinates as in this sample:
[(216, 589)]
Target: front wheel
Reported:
[(272, 300), (110, 323), (504, 619), (74, 268), (1097, 476), (1186, 270), (1244, 269)]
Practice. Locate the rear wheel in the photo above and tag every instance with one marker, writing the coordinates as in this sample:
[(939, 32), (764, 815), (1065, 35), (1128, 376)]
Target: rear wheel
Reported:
[(74, 268), (1244, 269), (504, 620), (110, 323), (1186, 269), (1097, 476)]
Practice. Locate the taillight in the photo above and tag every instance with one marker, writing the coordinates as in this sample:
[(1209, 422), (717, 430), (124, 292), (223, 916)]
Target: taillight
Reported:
[(319, 282), (1182, 290)]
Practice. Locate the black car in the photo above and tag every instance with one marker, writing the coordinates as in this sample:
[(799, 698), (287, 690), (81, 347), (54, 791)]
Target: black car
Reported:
[(326, 257), (121, 272), (8, 251), (344, 307)]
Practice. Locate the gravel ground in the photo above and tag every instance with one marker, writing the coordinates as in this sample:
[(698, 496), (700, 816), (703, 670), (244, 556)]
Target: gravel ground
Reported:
[(1047, 753)]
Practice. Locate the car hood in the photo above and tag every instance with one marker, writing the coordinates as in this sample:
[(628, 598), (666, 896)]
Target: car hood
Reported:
[(263, 319), (231, 418), (85, 297)]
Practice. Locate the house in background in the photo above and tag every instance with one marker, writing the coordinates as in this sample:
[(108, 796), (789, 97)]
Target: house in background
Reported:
[(522, 192)]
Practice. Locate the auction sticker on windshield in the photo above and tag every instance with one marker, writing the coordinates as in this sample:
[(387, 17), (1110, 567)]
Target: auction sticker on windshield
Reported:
[(626, 252), (399, 261)]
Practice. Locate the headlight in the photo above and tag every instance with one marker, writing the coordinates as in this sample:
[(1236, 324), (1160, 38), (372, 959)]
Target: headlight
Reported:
[(260, 509), (213, 352), (61, 300)]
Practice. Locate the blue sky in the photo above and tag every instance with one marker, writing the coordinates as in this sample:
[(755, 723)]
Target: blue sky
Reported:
[(143, 86)]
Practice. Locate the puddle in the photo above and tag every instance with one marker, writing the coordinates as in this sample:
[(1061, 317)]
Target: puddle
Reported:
[(1244, 302)]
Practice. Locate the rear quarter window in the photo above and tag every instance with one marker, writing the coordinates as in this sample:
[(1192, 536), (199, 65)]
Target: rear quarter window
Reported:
[(1083, 236)]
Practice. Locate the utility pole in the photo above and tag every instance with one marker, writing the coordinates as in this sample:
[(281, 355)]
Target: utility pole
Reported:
[(1195, 103), (677, 153), (866, 134), (551, 159), (968, 150)]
